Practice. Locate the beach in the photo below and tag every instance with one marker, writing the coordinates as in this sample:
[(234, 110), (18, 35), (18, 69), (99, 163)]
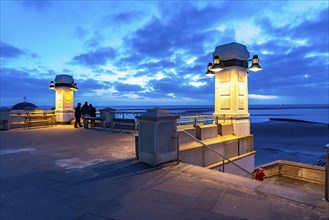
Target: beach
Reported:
[(288, 140)]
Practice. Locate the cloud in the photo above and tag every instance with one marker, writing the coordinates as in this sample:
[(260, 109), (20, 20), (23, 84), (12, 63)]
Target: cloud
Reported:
[(9, 51), (80, 32), (37, 4), (95, 57), (257, 96), (121, 87), (122, 18), (15, 84)]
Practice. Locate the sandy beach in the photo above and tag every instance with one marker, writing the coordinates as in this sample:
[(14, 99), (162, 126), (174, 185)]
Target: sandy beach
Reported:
[(293, 141)]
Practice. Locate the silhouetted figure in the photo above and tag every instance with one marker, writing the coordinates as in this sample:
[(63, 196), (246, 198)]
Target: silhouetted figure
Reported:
[(77, 116), (92, 112), (85, 113), (260, 175)]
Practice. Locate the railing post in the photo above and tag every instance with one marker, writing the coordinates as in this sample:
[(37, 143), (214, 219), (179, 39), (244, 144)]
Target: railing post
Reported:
[(326, 191)]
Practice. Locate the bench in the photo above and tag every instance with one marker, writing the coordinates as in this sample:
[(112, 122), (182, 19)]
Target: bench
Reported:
[(127, 124), (39, 119), (94, 120)]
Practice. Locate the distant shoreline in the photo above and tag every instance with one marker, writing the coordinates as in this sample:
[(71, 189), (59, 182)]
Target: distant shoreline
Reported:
[(294, 120)]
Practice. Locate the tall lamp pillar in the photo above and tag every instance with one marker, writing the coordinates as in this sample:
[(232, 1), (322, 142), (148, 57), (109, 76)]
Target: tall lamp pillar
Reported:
[(64, 86), (231, 87)]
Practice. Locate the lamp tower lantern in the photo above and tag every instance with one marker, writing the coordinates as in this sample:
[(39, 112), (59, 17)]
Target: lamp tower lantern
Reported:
[(231, 85), (64, 86)]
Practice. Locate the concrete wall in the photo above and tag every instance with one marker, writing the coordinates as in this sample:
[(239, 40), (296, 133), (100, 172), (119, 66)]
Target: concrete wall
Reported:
[(300, 171), (245, 161)]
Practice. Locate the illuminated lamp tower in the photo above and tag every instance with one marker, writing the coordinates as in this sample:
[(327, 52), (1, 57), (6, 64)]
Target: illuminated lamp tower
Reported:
[(64, 86), (231, 85)]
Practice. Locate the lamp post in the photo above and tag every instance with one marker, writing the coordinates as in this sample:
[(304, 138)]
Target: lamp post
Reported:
[(64, 86), (231, 85)]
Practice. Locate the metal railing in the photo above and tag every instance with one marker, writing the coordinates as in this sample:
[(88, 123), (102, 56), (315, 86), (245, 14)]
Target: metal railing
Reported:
[(195, 119), (213, 150)]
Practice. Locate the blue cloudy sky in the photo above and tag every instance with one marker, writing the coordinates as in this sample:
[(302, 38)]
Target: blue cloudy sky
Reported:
[(156, 52)]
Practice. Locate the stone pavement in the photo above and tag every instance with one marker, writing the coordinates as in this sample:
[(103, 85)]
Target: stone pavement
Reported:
[(66, 173)]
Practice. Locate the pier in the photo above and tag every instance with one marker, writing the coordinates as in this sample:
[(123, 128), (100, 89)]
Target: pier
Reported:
[(65, 173)]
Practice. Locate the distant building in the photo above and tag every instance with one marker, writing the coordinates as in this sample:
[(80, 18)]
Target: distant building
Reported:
[(24, 106)]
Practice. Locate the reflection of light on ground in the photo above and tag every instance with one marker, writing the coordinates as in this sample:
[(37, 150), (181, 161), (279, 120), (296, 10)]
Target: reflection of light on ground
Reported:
[(14, 151), (76, 163)]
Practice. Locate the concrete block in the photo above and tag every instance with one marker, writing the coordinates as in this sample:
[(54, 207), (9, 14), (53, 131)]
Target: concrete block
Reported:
[(246, 145), (183, 137), (206, 131), (211, 157), (231, 149), (241, 127), (225, 129), (193, 155)]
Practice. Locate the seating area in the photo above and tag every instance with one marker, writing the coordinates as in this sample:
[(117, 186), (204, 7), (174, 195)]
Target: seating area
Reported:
[(124, 124), (43, 118)]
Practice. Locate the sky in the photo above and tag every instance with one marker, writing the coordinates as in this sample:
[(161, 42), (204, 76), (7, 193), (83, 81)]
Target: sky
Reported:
[(156, 52)]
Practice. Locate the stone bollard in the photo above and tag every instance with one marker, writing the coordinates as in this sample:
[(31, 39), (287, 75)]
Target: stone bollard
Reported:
[(4, 118), (107, 114), (157, 137)]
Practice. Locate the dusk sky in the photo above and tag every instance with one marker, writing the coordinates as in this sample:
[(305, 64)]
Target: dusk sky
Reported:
[(156, 52)]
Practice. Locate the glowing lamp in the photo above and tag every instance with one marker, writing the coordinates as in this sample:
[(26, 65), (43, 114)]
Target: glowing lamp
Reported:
[(52, 85), (209, 72), (217, 66), (255, 64)]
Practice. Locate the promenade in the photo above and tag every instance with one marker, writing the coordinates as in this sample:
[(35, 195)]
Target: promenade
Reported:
[(92, 174)]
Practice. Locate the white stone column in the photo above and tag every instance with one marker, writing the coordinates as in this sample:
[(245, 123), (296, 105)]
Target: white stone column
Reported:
[(231, 87), (64, 99)]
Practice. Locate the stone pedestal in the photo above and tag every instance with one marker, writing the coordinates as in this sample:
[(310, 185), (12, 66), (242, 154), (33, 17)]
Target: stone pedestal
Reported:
[(231, 87), (107, 114), (206, 131), (225, 129), (4, 118), (157, 137)]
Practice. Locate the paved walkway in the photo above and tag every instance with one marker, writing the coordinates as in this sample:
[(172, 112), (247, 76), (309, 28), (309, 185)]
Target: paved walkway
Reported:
[(66, 173)]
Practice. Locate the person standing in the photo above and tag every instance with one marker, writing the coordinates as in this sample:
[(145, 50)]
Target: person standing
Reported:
[(77, 116), (260, 175), (85, 113), (92, 112)]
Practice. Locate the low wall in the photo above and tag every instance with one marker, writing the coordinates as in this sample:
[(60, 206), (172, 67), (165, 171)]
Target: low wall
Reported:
[(300, 171)]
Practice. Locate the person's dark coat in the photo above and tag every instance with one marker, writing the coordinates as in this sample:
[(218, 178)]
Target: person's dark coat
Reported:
[(92, 110), (78, 111), (85, 109)]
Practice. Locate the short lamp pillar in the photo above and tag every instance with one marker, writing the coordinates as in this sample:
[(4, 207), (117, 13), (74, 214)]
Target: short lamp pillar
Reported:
[(231, 88), (64, 100), (157, 137)]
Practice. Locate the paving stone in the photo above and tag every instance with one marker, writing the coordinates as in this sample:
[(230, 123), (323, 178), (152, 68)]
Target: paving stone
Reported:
[(145, 209), (195, 214), (179, 186), (96, 207), (89, 216), (245, 207)]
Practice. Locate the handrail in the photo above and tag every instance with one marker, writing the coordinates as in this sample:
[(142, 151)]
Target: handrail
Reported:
[(180, 130)]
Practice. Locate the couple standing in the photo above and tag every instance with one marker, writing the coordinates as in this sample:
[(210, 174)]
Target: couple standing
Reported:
[(84, 111)]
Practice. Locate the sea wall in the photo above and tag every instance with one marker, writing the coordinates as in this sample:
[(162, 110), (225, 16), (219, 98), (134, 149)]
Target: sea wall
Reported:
[(300, 171)]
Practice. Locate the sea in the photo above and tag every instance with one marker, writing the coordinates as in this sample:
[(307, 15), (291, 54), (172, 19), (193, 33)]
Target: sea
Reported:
[(305, 153)]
